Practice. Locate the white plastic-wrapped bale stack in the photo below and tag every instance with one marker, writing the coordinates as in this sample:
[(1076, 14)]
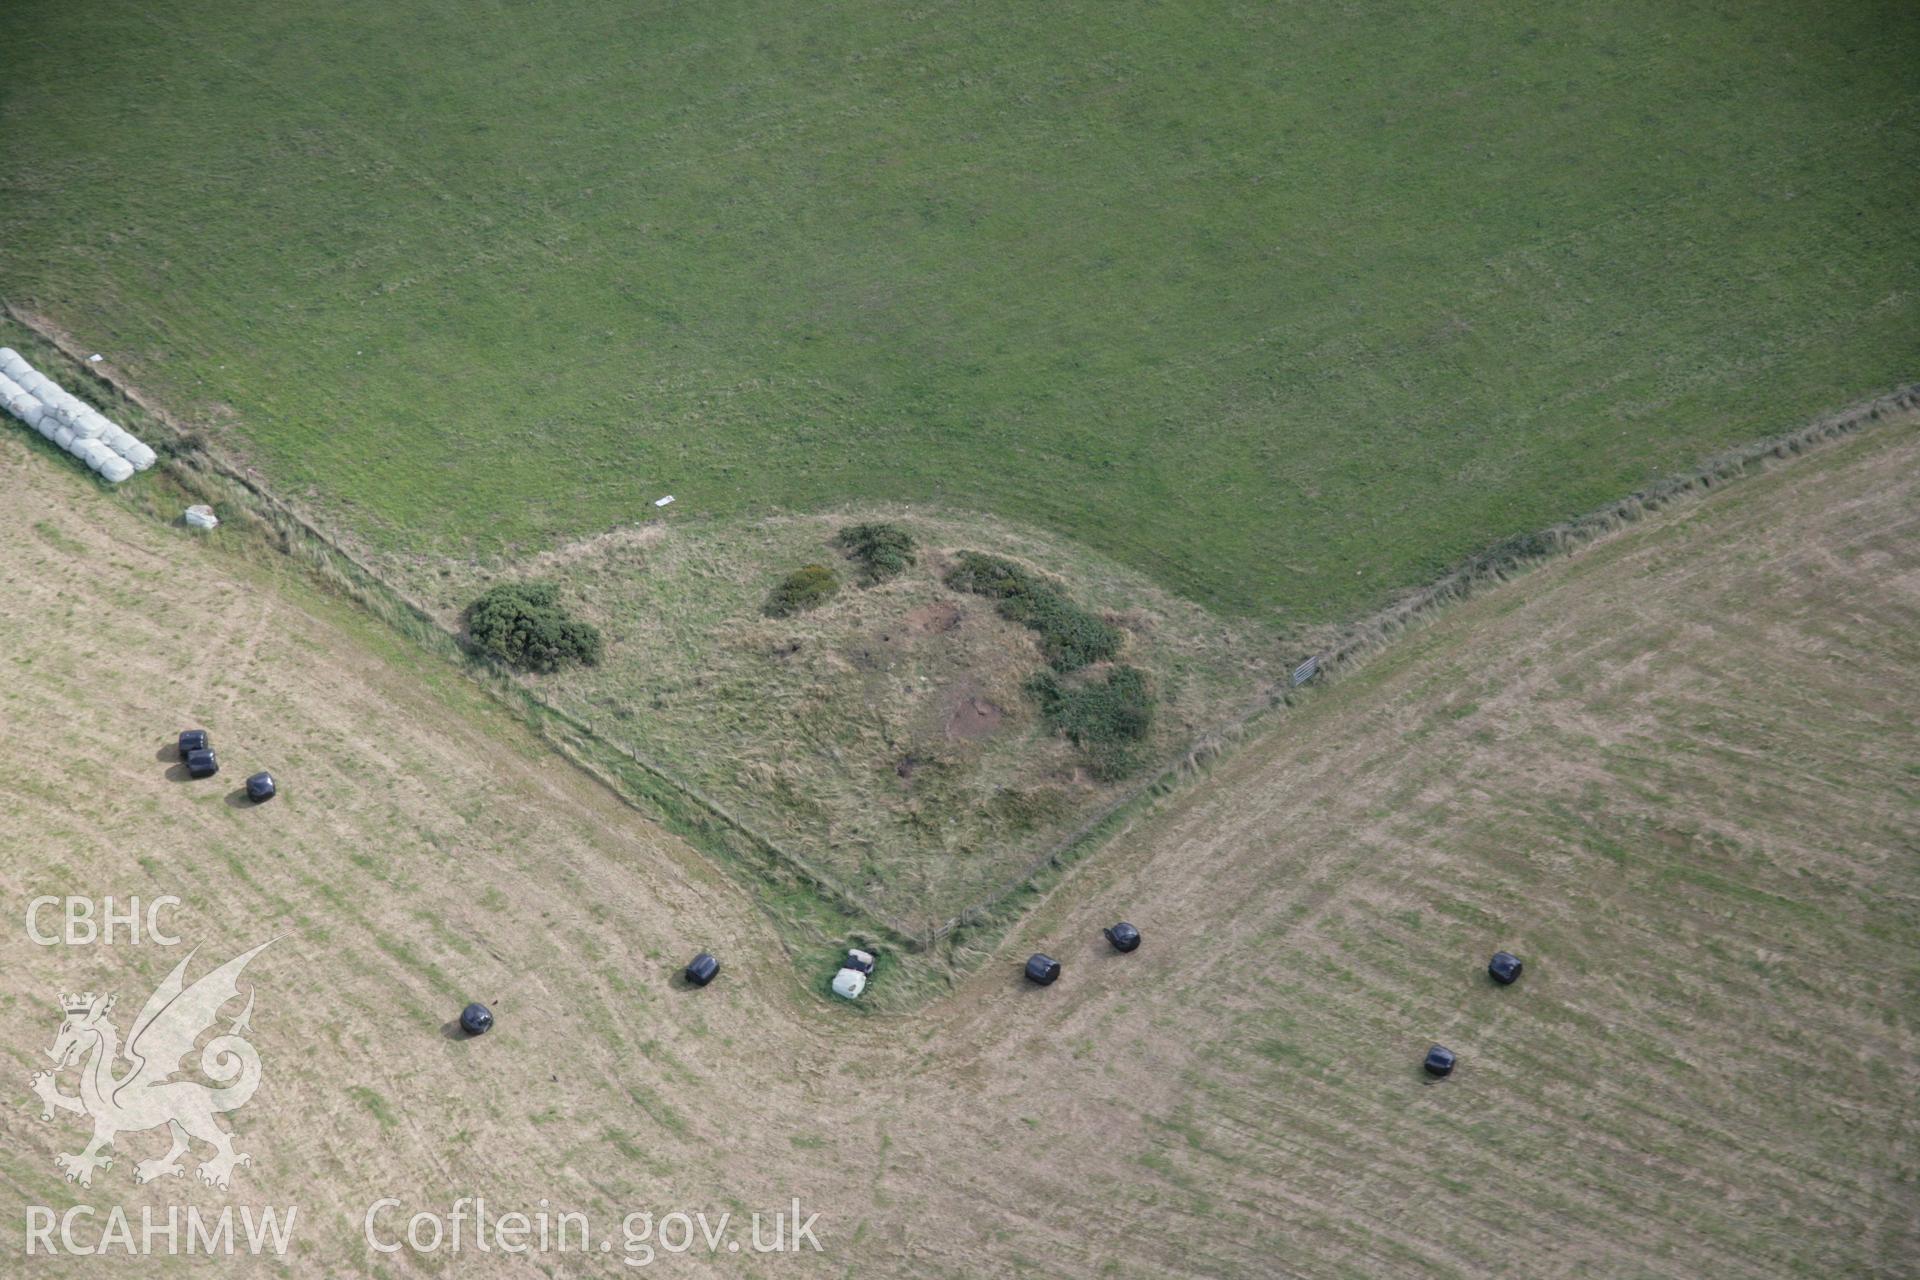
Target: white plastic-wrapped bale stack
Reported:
[(138, 453), (15, 400), (86, 423), (76, 426)]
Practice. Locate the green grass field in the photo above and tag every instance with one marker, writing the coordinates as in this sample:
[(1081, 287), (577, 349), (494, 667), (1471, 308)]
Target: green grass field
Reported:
[(1287, 306)]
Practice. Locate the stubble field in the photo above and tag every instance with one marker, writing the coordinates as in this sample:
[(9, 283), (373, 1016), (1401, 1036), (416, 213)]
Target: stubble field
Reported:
[(1674, 771)]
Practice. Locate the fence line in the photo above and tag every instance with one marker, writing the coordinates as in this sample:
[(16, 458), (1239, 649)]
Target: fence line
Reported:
[(1349, 643), (1495, 564), (192, 452)]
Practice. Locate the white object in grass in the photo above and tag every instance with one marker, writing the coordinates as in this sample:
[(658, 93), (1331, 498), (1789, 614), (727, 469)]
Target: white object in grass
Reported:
[(852, 978)]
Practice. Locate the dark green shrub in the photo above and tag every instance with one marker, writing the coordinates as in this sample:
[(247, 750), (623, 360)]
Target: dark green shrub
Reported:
[(1106, 719), (1071, 637), (804, 588), (985, 575), (522, 624), (881, 550)]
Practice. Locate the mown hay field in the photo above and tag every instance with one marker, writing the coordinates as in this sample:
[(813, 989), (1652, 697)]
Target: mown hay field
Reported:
[(1285, 306), (1675, 771)]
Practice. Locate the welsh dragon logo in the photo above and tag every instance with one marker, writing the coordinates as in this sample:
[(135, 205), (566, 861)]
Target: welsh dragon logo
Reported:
[(145, 1095)]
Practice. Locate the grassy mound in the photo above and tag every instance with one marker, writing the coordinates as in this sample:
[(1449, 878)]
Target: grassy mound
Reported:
[(890, 739)]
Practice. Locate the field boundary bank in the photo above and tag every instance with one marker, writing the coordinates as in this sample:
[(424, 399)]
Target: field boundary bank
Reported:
[(669, 800)]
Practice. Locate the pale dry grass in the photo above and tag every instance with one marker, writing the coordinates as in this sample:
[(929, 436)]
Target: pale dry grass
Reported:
[(838, 734)]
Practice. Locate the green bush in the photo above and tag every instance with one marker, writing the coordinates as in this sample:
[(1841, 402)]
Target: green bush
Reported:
[(881, 550), (985, 575), (804, 588), (1071, 637), (1107, 719), (522, 624)]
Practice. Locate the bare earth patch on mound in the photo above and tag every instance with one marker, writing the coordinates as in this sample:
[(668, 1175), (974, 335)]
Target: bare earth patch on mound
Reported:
[(972, 716), (934, 619)]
